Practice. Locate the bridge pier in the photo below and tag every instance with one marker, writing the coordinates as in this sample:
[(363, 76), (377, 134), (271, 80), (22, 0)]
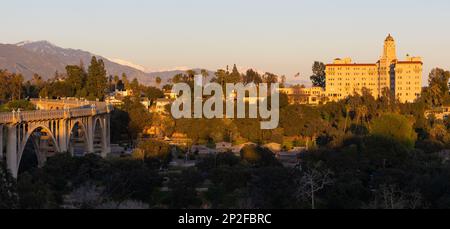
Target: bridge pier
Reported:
[(90, 134), (106, 141), (63, 136), (11, 150), (107, 135)]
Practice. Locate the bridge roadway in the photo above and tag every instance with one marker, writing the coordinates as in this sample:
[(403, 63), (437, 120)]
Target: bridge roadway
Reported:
[(67, 125)]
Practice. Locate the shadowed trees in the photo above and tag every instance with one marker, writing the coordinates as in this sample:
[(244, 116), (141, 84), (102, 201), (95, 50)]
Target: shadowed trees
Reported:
[(9, 198)]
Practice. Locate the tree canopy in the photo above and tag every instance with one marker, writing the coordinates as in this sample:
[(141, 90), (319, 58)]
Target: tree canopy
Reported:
[(319, 76)]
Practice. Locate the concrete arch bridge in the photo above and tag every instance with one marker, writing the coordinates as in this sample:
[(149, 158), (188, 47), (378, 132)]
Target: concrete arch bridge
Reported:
[(57, 126)]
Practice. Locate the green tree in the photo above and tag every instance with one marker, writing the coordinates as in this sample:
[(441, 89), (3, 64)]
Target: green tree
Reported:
[(221, 77), (437, 92), (116, 80), (16, 85), (76, 78), (153, 152), (23, 105), (190, 75), (136, 88), (139, 116), (153, 93), (318, 78), (97, 82), (125, 81), (395, 126), (4, 89), (178, 78), (259, 156), (252, 77), (270, 78), (235, 76), (57, 89)]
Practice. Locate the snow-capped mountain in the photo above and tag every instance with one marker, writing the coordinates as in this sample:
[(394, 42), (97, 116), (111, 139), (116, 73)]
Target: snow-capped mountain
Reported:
[(129, 64)]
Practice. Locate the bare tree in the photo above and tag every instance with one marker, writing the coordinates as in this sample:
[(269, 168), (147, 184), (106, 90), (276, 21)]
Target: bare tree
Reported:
[(87, 196), (391, 197), (311, 181)]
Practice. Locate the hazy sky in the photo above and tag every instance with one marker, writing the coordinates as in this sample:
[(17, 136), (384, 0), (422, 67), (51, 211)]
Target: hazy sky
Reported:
[(281, 36)]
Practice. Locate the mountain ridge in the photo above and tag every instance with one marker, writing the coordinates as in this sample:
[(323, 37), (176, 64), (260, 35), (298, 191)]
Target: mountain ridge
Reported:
[(45, 58)]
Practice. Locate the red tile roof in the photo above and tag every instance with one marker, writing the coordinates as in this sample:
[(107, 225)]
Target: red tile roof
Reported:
[(350, 65)]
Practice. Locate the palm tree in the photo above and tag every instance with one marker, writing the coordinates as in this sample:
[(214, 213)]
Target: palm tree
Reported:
[(158, 81), (347, 114), (191, 74), (363, 112), (205, 74), (270, 78)]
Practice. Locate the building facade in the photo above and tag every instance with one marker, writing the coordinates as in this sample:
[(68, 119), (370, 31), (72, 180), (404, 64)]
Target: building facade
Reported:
[(305, 96), (388, 75)]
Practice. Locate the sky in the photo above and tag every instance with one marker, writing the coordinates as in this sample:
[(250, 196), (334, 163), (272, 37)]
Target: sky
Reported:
[(280, 36)]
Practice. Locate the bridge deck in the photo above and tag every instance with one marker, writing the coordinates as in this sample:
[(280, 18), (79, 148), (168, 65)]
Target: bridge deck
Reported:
[(64, 109)]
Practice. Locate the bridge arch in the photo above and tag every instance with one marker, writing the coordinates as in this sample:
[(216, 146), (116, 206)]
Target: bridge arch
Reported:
[(80, 123), (73, 136), (28, 137), (99, 136)]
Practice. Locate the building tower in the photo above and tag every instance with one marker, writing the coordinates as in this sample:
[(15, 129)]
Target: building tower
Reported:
[(385, 63), (389, 50)]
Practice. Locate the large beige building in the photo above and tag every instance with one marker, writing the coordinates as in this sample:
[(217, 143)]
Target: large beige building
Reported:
[(401, 78)]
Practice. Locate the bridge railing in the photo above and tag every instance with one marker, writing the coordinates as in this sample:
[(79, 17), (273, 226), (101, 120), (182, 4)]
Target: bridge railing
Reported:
[(5, 117), (68, 103), (82, 110)]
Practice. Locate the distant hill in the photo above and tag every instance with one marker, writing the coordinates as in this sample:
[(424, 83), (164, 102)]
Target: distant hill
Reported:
[(20, 60), (45, 58)]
